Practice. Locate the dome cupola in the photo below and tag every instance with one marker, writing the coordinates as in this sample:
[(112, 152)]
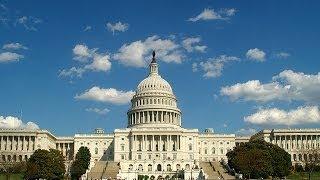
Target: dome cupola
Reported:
[(154, 101)]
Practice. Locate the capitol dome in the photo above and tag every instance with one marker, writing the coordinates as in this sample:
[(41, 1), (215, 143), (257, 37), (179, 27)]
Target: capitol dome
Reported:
[(154, 82), (154, 101)]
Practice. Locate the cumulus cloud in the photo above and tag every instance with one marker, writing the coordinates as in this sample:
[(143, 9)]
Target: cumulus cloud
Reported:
[(119, 26), (211, 14), (286, 86), (283, 55), (10, 57), (98, 111), (94, 61), (246, 131), (274, 116), (28, 22), (13, 46), (11, 122), (109, 95), (256, 55), (192, 44), (137, 53), (213, 67)]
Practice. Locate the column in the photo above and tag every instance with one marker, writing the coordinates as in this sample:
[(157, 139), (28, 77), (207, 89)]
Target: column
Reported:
[(160, 144)]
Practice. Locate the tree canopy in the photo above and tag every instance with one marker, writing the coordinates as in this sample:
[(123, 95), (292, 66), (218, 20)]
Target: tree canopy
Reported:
[(81, 163), (259, 159), (45, 165)]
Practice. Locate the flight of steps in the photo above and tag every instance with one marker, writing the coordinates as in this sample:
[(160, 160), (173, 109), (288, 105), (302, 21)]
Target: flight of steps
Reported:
[(103, 170), (218, 167), (209, 170), (111, 170)]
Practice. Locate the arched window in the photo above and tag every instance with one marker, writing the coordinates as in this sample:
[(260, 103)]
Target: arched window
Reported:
[(168, 167), (96, 151), (221, 151), (130, 167), (149, 167), (178, 167), (159, 167), (213, 150), (140, 167), (190, 147), (187, 167)]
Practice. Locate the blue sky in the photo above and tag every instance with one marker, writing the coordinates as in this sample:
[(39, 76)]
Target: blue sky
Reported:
[(235, 66)]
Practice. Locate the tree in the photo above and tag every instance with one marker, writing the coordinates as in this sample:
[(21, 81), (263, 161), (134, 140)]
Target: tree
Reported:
[(259, 159), (9, 168), (45, 165), (58, 165), (81, 163), (312, 159)]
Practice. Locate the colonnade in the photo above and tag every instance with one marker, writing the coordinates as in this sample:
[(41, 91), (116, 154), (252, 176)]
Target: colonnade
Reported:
[(154, 117), (66, 149), (17, 143), (155, 142), (296, 142)]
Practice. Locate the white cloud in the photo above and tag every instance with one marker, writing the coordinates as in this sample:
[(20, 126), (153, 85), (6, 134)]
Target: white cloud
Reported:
[(194, 67), (98, 111), (287, 85), (255, 91), (29, 22), (13, 46), (283, 55), (137, 53), (228, 12), (10, 57), (274, 116), (11, 122), (246, 131), (87, 28), (101, 62), (213, 67), (94, 61), (256, 55), (211, 14), (72, 72), (119, 26), (109, 95), (191, 44)]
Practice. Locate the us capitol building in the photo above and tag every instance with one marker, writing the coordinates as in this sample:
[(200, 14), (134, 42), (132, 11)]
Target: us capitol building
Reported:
[(154, 143)]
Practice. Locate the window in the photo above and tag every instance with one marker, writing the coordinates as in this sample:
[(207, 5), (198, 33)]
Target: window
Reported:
[(140, 167), (96, 151), (190, 147), (190, 139), (191, 156), (122, 157), (205, 151), (213, 150), (130, 167), (221, 150), (122, 147), (149, 167), (221, 142)]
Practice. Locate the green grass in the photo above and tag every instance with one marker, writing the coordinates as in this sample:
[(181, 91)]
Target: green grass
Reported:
[(304, 175), (11, 177)]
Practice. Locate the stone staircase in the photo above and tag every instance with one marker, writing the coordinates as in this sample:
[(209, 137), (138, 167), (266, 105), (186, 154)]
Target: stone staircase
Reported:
[(222, 172), (209, 170), (103, 170)]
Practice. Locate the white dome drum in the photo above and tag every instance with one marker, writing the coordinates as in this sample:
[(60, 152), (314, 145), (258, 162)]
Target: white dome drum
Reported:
[(154, 102)]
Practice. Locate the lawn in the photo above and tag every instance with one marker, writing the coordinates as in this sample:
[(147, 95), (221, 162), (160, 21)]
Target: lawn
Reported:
[(314, 176), (11, 177)]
